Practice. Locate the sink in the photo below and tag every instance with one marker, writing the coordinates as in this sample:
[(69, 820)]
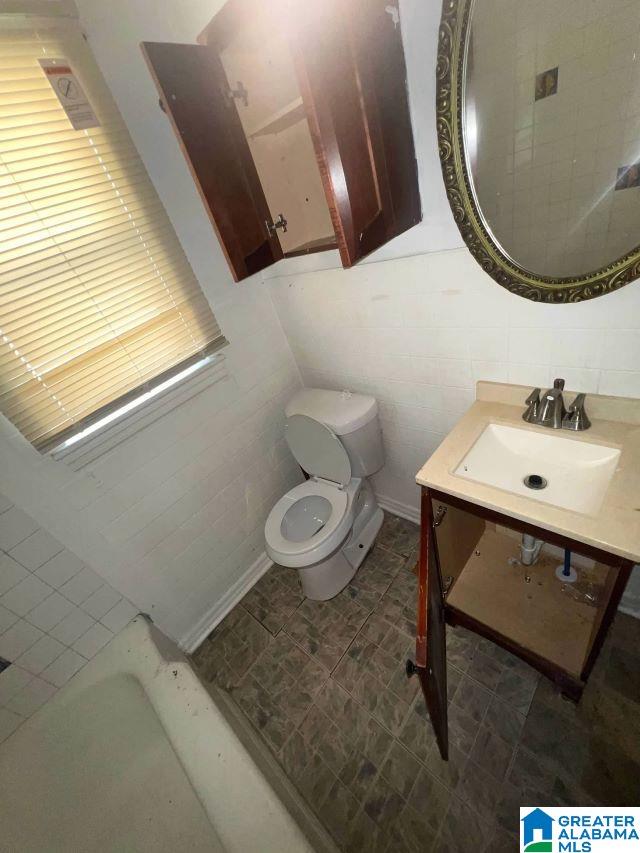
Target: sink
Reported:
[(577, 473)]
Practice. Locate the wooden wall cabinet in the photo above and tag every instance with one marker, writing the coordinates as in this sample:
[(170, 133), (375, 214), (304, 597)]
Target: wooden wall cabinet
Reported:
[(466, 577), (295, 111)]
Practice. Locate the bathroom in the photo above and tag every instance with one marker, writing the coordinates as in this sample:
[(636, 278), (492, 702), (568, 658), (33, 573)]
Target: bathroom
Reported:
[(167, 516)]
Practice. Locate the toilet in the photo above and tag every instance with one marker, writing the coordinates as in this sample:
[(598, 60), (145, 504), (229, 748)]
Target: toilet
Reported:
[(325, 526)]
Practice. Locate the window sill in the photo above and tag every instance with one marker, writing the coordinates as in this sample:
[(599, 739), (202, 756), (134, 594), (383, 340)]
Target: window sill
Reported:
[(84, 449)]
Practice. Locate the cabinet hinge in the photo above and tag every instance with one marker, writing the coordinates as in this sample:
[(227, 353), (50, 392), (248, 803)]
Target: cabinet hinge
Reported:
[(272, 227), (394, 14), (240, 93), (439, 516), (447, 583)]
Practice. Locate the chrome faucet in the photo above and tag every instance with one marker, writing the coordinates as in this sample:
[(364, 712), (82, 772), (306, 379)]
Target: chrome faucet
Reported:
[(550, 410)]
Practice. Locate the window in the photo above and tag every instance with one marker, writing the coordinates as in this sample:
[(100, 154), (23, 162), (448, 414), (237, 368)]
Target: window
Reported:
[(98, 303)]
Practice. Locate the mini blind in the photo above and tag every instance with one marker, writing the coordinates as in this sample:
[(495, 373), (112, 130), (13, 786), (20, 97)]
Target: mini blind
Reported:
[(97, 299)]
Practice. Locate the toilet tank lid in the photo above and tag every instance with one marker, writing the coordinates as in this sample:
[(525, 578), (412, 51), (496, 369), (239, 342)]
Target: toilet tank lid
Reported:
[(341, 411)]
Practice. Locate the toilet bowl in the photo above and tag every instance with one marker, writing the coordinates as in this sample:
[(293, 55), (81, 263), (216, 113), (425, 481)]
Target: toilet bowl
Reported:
[(325, 526), (306, 530)]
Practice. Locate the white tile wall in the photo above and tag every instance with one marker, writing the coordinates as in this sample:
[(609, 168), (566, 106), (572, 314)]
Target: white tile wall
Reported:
[(15, 526), (61, 568), (445, 325), (36, 550), (40, 620)]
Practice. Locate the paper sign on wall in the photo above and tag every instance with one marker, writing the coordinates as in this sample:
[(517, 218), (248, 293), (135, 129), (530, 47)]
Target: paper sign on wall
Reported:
[(70, 93)]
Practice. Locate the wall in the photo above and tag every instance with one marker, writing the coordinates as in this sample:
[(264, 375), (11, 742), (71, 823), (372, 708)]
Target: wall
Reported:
[(55, 615), (419, 332), (174, 517), (418, 327)]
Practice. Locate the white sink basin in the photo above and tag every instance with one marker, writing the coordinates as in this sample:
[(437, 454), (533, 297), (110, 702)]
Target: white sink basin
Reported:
[(577, 473)]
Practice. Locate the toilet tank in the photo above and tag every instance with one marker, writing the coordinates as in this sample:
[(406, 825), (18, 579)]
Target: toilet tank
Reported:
[(352, 417)]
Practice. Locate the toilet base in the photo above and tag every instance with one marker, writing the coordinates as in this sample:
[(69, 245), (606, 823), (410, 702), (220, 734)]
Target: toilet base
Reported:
[(325, 580), (365, 528)]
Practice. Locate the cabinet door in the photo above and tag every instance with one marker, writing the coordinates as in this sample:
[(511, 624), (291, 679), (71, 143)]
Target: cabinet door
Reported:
[(195, 95), (351, 70), (431, 654)]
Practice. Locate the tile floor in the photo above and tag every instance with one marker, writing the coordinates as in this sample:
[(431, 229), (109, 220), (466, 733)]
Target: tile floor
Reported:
[(324, 684)]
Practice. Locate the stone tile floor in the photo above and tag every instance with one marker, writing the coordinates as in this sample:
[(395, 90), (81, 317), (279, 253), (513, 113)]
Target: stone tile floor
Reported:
[(324, 684)]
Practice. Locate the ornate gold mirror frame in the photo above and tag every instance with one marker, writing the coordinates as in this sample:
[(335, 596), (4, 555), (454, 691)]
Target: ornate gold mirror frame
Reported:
[(450, 81)]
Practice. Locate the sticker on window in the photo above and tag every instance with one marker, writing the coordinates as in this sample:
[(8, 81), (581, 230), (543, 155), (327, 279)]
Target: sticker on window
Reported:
[(70, 93)]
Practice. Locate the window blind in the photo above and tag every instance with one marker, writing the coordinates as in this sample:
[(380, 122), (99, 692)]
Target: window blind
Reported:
[(97, 298)]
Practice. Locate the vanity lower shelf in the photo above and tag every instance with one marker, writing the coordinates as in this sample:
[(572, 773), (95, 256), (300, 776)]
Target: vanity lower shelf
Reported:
[(536, 616)]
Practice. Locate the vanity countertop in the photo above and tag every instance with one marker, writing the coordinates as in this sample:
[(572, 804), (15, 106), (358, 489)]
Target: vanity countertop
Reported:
[(615, 422)]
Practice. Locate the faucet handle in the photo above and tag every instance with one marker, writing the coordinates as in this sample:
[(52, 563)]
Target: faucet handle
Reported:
[(533, 407), (576, 417), (578, 403)]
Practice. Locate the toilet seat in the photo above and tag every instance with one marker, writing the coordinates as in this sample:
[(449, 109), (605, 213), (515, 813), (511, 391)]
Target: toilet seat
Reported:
[(302, 509)]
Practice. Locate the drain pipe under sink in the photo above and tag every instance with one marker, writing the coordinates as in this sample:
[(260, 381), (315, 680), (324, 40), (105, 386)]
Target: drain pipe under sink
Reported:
[(530, 549)]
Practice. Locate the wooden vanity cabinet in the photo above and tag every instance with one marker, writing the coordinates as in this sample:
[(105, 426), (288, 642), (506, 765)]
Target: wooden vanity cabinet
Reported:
[(469, 575), (296, 111)]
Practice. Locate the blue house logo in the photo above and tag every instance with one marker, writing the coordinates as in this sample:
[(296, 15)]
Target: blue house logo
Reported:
[(537, 832)]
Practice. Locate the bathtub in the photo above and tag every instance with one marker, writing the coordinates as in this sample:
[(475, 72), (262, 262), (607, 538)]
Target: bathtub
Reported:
[(135, 755)]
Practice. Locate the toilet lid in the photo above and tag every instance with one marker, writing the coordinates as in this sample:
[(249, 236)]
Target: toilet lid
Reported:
[(318, 450)]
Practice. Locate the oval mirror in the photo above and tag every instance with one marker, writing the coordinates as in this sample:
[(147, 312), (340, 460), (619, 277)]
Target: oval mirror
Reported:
[(539, 131)]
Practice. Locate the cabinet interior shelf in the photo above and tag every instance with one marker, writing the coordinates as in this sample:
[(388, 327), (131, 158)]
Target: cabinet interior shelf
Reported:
[(322, 244), (282, 119), (538, 615)]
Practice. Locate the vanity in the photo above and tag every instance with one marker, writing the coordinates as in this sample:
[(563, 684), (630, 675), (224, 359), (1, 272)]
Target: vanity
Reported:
[(530, 513), (476, 569)]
